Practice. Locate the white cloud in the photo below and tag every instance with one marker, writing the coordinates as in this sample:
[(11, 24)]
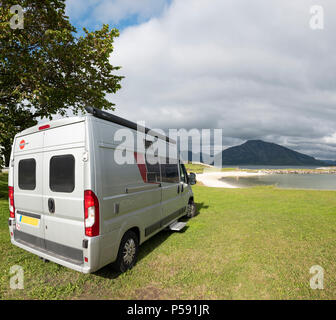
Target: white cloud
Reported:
[(330, 139), (255, 70)]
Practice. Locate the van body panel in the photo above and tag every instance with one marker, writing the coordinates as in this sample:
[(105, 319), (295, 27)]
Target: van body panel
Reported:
[(92, 253), (76, 154), (64, 136), (52, 124), (170, 198)]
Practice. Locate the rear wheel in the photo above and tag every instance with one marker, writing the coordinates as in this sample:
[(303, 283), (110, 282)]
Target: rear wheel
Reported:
[(128, 252)]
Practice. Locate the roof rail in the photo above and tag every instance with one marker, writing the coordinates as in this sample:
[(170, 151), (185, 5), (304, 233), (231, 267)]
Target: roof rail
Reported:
[(126, 123)]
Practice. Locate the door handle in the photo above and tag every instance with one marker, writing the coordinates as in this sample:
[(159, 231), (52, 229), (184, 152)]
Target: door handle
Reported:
[(51, 205)]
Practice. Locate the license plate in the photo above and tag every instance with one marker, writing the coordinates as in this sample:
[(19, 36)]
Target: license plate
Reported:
[(29, 220)]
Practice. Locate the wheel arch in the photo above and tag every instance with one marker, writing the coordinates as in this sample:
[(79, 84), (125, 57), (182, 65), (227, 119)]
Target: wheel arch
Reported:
[(136, 230)]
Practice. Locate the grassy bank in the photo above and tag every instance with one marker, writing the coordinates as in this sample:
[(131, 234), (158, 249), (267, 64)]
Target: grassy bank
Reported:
[(196, 168), (254, 243), (200, 168)]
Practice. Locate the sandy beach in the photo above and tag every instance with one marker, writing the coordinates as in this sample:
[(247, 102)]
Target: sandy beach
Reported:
[(212, 179)]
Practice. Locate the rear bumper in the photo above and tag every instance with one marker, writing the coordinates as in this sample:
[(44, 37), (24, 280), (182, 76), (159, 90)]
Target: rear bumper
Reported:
[(91, 253)]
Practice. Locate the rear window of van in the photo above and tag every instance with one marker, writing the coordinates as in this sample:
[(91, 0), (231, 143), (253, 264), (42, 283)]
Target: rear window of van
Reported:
[(62, 173), (27, 174)]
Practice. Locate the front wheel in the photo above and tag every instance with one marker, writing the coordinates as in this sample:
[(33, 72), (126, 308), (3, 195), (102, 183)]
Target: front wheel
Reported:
[(191, 209), (128, 252)]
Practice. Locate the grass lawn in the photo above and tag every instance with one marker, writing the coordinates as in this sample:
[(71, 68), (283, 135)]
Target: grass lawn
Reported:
[(256, 243), (195, 168), (199, 168)]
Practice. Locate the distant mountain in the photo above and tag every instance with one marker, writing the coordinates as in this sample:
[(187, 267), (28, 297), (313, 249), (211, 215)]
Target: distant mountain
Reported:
[(258, 152), (330, 162), (189, 156), (195, 157)]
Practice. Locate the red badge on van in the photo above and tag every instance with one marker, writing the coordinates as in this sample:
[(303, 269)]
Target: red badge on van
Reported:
[(22, 144)]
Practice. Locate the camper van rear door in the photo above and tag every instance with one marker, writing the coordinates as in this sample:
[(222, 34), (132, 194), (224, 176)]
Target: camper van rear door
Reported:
[(28, 189), (64, 186)]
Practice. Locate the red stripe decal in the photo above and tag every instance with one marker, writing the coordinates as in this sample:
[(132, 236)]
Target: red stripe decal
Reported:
[(140, 160)]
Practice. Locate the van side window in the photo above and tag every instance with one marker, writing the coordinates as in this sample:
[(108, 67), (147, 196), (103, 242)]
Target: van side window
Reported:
[(170, 173), (153, 169), (62, 173), (27, 174)]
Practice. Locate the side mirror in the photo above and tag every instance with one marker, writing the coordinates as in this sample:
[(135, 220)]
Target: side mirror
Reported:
[(192, 178)]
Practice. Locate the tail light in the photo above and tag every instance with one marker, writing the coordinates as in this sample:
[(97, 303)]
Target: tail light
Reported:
[(11, 202), (47, 126), (91, 214)]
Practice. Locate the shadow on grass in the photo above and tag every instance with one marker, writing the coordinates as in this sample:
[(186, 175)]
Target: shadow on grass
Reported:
[(199, 207), (145, 249), (148, 246)]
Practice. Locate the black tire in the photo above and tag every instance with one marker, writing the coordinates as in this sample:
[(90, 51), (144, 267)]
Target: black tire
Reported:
[(128, 252), (191, 210), (44, 260)]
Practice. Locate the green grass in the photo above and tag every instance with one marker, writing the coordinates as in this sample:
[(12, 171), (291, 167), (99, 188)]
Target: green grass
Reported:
[(199, 168), (255, 243), (196, 168)]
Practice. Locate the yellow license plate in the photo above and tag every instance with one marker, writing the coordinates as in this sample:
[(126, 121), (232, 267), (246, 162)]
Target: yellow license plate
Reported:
[(29, 220)]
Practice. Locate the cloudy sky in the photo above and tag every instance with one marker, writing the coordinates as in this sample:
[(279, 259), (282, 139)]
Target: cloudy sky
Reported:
[(255, 68)]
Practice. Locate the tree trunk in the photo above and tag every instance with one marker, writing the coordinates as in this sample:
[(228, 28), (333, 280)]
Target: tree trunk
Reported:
[(7, 154)]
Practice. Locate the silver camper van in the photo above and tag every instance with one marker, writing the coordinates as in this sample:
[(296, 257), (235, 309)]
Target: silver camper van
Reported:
[(73, 202)]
